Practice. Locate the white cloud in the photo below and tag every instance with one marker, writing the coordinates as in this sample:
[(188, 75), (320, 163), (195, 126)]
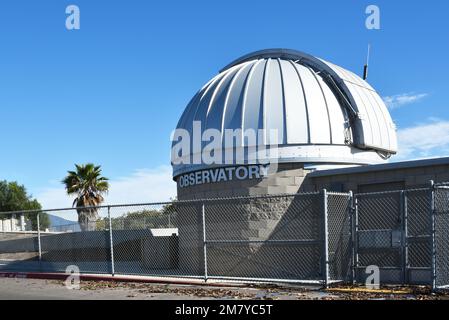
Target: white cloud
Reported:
[(424, 140), (52, 198), (143, 186), (403, 99)]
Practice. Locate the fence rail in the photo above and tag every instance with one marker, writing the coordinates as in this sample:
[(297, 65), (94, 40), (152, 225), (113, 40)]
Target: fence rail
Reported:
[(323, 237)]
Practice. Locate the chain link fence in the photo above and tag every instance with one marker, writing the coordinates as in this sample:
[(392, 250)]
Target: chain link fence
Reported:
[(278, 237), (321, 237), (19, 246)]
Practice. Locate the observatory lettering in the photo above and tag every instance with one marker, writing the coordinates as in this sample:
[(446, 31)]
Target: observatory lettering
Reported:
[(223, 175)]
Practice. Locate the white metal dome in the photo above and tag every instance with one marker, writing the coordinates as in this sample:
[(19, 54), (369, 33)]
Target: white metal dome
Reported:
[(324, 114)]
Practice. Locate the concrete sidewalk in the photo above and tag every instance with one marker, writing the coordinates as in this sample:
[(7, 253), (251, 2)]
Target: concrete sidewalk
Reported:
[(41, 289)]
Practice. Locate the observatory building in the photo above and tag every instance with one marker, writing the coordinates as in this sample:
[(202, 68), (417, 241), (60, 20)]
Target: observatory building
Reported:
[(318, 125)]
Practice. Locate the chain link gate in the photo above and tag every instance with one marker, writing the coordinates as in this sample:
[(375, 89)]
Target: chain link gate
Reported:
[(394, 233), (340, 235), (417, 248), (440, 223), (379, 232)]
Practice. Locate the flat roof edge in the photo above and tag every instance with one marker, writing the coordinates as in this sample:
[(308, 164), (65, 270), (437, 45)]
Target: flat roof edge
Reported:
[(382, 167)]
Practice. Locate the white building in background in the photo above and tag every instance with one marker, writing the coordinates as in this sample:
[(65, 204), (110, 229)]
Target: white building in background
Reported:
[(13, 223)]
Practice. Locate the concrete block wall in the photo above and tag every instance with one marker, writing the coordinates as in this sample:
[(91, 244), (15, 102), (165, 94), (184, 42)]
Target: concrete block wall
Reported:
[(275, 218)]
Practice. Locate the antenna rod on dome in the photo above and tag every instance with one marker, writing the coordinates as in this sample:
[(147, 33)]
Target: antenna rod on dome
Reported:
[(365, 68)]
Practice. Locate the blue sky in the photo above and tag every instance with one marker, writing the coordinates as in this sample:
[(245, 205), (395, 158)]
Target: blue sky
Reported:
[(111, 92)]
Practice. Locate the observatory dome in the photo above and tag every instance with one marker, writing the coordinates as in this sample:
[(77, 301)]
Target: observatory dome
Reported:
[(323, 113)]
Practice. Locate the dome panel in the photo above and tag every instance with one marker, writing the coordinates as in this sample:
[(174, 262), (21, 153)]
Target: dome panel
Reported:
[(215, 110), (382, 127), (295, 105), (232, 115), (368, 120), (338, 123), (391, 127), (187, 116), (273, 103), (253, 100), (317, 109)]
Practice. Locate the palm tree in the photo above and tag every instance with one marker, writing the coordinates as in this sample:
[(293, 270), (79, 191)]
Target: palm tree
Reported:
[(89, 186)]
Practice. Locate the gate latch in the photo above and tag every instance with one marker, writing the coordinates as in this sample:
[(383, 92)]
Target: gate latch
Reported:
[(396, 239)]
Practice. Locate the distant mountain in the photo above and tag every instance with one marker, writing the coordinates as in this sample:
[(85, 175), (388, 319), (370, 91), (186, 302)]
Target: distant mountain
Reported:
[(56, 221), (61, 224)]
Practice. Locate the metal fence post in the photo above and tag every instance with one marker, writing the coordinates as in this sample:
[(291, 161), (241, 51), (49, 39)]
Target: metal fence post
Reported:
[(404, 244), (203, 211), (111, 242), (39, 247), (351, 233), (355, 240), (432, 215), (326, 240)]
